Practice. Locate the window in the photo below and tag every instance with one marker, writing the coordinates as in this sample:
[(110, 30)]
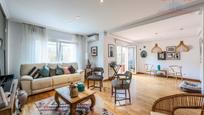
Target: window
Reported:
[(68, 52), (62, 52), (52, 51)]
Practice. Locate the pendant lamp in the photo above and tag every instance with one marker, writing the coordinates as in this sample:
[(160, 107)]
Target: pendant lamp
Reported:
[(156, 49), (182, 47)]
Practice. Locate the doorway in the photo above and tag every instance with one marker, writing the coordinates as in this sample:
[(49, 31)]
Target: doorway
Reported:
[(126, 57)]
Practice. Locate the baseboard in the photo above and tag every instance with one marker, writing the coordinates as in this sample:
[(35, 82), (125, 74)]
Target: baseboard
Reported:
[(184, 78)]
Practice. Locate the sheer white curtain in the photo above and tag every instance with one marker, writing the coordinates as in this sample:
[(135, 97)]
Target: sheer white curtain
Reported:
[(33, 45), (81, 49)]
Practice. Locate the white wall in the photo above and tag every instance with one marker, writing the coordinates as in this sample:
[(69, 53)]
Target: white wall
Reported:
[(99, 59), (190, 61), (202, 61), (107, 60)]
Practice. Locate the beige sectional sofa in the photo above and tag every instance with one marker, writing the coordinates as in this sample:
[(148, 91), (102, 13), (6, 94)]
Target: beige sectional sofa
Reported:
[(34, 86)]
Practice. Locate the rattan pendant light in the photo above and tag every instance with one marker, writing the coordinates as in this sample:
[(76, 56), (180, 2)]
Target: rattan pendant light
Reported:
[(182, 47), (156, 49)]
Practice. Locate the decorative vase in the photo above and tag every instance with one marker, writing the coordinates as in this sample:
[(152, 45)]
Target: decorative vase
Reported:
[(22, 97), (158, 67), (73, 90), (80, 87)]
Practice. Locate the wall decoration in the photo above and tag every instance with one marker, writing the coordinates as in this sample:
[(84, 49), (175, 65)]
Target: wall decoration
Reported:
[(162, 56), (171, 49), (111, 48), (94, 51), (143, 54), (173, 56)]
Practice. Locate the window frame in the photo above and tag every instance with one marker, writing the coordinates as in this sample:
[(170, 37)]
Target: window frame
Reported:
[(59, 51)]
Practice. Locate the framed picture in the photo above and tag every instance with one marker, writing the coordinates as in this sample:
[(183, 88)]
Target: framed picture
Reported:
[(171, 49), (173, 56), (111, 49), (94, 51), (162, 56), (143, 54)]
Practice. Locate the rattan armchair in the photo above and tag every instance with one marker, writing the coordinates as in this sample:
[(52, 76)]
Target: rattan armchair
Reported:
[(168, 105)]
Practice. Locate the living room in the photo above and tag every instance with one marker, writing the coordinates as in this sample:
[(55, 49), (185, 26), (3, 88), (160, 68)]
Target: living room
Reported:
[(101, 57)]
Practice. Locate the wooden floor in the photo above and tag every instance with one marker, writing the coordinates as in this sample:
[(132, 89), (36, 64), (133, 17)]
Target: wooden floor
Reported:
[(144, 91)]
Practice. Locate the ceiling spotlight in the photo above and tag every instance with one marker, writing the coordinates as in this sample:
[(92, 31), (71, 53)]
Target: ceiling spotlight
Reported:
[(101, 1), (181, 29), (77, 17)]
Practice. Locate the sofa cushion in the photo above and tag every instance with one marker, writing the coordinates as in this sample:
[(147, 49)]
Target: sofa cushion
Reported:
[(44, 72), (74, 77), (72, 69), (59, 70), (60, 79), (75, 65), (52, 72), (66, 70), (32, 71), (157, 113), (41, 83)]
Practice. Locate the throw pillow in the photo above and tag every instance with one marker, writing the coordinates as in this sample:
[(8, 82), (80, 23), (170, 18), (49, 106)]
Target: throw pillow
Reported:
[(44, 72), (52, 72), (72, 69), (59, 70), (34, 72), (66, 70)]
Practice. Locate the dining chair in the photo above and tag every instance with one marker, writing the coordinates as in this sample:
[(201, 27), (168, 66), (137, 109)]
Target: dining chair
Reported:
[(96, 76), (122, 82), (176, 71)]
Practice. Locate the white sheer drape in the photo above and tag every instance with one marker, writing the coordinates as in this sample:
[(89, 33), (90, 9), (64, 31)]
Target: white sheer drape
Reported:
[(81, 40), (33, 45)]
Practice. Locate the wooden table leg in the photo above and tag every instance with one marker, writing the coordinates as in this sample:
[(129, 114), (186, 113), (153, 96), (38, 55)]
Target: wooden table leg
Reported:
[(93, 102), (57, 100), (73, 109)]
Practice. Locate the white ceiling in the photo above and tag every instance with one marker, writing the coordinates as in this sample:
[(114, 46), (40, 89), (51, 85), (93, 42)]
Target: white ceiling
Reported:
[(94, 16), (180, 27)]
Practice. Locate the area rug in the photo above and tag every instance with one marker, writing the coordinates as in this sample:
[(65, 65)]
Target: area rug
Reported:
[(48, 107)]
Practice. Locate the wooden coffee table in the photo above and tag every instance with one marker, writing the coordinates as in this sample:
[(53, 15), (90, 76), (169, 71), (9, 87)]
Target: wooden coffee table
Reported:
[(64, 92)]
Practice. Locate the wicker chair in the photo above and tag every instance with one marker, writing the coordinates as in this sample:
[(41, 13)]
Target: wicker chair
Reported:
[(168, 105)]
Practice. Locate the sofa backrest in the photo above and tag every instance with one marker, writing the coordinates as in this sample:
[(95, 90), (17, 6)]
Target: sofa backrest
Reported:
[(25, 68)]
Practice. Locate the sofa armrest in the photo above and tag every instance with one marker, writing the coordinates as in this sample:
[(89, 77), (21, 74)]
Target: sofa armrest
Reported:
[(81, 72), (26, 84), (26, 78)]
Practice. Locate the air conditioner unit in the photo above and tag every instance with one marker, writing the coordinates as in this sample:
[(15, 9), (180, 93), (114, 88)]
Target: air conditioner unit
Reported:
[(93, 38)]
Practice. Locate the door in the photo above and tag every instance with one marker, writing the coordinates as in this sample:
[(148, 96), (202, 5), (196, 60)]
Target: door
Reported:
[(132, 59), (126, 57)]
